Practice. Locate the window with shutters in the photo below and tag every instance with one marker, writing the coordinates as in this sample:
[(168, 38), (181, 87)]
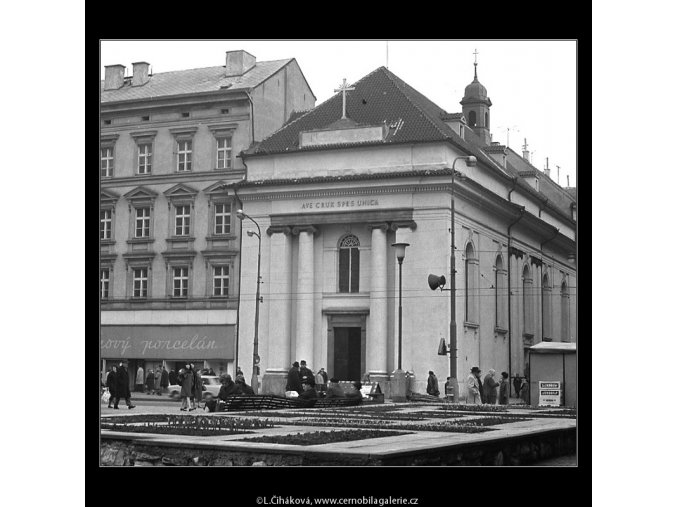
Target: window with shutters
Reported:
[(349, 264)]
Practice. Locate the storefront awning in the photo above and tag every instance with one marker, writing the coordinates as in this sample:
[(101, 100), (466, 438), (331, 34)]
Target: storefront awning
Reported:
[(168, 342)]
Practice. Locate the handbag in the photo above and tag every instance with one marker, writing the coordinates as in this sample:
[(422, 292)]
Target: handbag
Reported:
[(106, 395)]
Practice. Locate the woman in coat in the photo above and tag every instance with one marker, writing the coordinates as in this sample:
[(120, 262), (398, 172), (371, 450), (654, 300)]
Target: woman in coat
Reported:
[(187, 382), (157, 383), (150, 381), (473, 385), (490, 386), (111, 384), (197, 387), (503, 390)]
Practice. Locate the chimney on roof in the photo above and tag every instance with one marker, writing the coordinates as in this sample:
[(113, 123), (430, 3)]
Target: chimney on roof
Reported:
[(238, 62), (114, 77), (547, 169), (567, 180), (525, 151), (140, 74)]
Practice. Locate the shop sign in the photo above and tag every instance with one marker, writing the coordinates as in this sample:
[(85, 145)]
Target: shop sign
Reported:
[(549, 393)]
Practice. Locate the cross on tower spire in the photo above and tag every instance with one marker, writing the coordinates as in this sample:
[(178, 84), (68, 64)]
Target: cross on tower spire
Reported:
[(475, 53), (344, 87)]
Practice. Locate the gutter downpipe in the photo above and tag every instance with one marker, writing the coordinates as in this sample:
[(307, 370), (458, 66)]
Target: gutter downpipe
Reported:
[(514, 184), (239, 277), (251, 109)]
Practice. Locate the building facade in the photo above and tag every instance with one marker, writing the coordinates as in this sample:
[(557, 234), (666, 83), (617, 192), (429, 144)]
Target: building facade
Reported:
[(169, 235), (332, 193)]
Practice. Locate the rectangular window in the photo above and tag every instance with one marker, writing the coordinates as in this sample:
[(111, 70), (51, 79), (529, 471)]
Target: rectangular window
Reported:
[(182, 221), (180, 280), (142, 229), (185, 156), (140, 282), (221, 279), (224, 152), (222, 218), (145, 158), (104, 283), (106, 223), (107, 162)]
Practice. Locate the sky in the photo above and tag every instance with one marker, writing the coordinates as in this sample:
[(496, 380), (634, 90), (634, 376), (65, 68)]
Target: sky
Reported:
[(531, 84)]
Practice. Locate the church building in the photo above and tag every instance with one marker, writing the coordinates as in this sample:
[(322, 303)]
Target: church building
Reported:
[(336, 186)]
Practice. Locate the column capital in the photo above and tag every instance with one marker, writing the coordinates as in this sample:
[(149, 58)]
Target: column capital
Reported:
[(304, 228), (403, 224), (378, 225), (275, 229)]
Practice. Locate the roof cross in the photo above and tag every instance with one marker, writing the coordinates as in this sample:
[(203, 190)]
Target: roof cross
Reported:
[(475, 53), (345, 87)]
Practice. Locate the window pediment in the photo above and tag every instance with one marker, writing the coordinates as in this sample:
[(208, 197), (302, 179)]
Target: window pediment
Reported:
[(217, 189), (144, 135), (183, 132), (140, 195), (108, 198), (107, 140), (181, 192)]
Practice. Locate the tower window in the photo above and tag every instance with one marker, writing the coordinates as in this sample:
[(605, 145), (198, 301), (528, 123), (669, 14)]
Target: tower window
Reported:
[(472, 118), (349, 264), (486, 120)]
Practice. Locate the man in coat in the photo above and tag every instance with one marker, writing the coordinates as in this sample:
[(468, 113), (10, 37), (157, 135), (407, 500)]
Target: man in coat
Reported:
[(321, 381), (306, 374), (503, 390), (197, 386), (187, 380), (490, 386), (242, 384), (294, 379), (122, 386), (308, 393), (111, 384), (433, 388), (173, 378), (138, 386), (164, 379), (474, 386), (157, 387)]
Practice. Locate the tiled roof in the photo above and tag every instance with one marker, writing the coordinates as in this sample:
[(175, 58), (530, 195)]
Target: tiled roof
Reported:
[(494, 148), (452, 116), (180, 82), (296, 114)]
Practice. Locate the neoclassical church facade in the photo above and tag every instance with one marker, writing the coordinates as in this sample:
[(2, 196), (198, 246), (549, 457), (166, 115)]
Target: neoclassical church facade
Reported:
[(337, 185)]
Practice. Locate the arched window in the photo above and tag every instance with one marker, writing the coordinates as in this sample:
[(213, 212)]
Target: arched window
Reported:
[(472, 118), (527, 301), (349, 264), (486, 120), (471, 269), (500, 293), (564, 301), (546, 293)]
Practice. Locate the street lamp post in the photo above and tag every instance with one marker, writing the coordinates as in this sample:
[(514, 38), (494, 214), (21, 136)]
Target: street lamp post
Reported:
[(399, 391), (255, 356), (453, 346)]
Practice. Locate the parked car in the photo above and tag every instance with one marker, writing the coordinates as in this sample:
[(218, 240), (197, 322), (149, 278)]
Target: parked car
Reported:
[(210, 388)]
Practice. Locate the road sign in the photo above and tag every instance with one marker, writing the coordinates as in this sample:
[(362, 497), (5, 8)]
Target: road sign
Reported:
[(549, 393)]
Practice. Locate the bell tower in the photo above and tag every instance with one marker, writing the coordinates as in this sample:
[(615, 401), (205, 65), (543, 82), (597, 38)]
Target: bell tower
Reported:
[(476, 106)]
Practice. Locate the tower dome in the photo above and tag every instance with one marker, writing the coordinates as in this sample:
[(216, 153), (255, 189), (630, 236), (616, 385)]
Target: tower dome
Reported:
[(475, 91), (476, 104)]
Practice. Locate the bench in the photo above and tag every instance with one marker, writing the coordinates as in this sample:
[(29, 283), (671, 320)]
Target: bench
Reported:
[(371, 391), (272, 402)]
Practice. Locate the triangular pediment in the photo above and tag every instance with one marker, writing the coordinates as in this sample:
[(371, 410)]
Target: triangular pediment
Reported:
[(217, 188), (140, 193), (108, 197), (180, 191)]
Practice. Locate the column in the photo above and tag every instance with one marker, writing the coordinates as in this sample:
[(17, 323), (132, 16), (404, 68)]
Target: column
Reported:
[(278, 354), (377, 335), (304, 294)]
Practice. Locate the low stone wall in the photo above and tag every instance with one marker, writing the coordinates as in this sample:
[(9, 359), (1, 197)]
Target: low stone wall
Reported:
[(520, 450)]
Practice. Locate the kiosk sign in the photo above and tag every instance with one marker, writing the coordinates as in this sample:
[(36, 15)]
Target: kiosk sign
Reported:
[(549, 393)]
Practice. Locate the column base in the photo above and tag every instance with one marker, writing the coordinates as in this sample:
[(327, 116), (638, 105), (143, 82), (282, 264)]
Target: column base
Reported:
[(398, 386), (274, 382)]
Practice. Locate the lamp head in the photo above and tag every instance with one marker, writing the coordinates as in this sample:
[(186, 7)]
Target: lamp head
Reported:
[(240, 214), (471, 161), (399, 250), (250, 233)]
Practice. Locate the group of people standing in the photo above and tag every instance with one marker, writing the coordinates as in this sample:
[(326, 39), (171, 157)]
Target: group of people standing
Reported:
[(485, 392), (300, 379), (117, 382)]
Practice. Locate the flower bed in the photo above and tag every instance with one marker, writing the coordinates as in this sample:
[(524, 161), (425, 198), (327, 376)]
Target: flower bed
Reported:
[(186, 425), (344, 415), (324, 437), (474, 408), (466, 426)]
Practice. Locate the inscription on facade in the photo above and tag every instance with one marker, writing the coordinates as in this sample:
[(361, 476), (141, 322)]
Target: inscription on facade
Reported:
[(352, 203)]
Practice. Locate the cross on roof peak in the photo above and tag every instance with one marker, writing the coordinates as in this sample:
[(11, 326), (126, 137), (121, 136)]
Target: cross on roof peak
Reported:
[(344, 87), (475, 53)]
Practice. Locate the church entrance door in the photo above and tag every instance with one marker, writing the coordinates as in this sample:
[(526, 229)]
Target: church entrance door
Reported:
[(347, 353)]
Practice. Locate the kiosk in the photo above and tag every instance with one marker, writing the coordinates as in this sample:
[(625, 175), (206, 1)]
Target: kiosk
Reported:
[(552, 369)]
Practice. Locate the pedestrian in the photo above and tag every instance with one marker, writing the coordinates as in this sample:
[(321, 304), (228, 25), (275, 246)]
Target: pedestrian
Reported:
[(150, 381), (139, 379), (447, 387), (238, 371), (474, 387), (503, 390), (490, 386), (242, 384), (228, 387), (320, 381), (157, 387), (306, 374), (479, 381), (517, 384), (334, 389), (433, 388), (122, 386), (164, 380), (173, 378), (294, 379), (197, 387), (111, 384), (355, 392), (187, 380), (524, 390), (211, 371), (308, 392)]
